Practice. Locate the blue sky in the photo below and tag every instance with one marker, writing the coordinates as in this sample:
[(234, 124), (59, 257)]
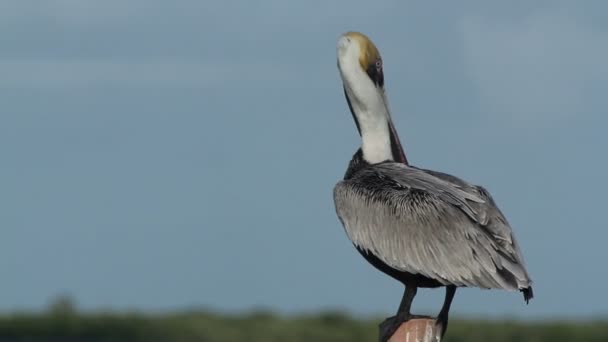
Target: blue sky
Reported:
[(162, 155)]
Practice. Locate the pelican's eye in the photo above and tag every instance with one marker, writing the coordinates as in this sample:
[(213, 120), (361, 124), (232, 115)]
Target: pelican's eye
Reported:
[(379, 65), (374, 71)]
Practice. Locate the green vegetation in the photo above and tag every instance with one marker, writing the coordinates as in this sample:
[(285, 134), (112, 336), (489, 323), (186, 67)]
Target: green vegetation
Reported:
[(202, 326), (63, 323)]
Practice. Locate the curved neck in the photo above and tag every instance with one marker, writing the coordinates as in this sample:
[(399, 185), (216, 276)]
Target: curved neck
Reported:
[(375, 135), (379, 139), (369, 107)]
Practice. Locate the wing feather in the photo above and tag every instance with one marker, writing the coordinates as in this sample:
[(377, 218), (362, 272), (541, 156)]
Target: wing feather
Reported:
[(431, 224)]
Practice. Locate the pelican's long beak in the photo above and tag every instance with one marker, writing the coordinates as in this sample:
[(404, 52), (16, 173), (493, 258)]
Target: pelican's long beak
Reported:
[(370, 63), (396, 147)]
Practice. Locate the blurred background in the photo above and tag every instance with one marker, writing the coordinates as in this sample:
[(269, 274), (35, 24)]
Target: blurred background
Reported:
[(167, 166)]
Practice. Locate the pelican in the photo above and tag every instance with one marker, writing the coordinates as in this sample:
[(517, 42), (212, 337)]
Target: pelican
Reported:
[(426, 229)]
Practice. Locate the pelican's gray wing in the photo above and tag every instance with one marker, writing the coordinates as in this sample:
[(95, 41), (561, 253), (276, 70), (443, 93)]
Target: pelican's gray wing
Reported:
[(490, 217), (431, 224)]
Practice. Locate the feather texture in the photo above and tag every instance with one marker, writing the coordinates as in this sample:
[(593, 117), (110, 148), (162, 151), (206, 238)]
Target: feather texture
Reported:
[(429, 223)]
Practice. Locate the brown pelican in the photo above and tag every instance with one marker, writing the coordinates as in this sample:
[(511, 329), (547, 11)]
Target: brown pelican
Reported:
[(421, 227)]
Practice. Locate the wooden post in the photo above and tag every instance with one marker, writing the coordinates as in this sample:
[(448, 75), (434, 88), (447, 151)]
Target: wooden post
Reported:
[(418, 330)]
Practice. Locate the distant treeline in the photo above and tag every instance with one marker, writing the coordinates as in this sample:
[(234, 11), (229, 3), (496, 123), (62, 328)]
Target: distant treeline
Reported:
[(63, 323)]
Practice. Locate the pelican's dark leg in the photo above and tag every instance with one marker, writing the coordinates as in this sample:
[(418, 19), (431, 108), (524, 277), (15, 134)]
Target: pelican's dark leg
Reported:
[(391, 324), (442, 318)]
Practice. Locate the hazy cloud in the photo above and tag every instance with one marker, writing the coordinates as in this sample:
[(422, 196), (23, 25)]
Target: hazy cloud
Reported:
[(83, 73), (538, 68), (158, 188)]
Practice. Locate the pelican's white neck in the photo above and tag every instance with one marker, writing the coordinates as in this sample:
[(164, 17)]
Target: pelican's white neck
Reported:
[(369, 107), (375, 138), (373, 121)]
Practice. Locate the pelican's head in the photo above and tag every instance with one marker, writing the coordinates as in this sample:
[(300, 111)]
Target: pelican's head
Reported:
[(362, 76), (359, 57)]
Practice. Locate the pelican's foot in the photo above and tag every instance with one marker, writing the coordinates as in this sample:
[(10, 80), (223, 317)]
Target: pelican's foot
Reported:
[(390, 325)]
